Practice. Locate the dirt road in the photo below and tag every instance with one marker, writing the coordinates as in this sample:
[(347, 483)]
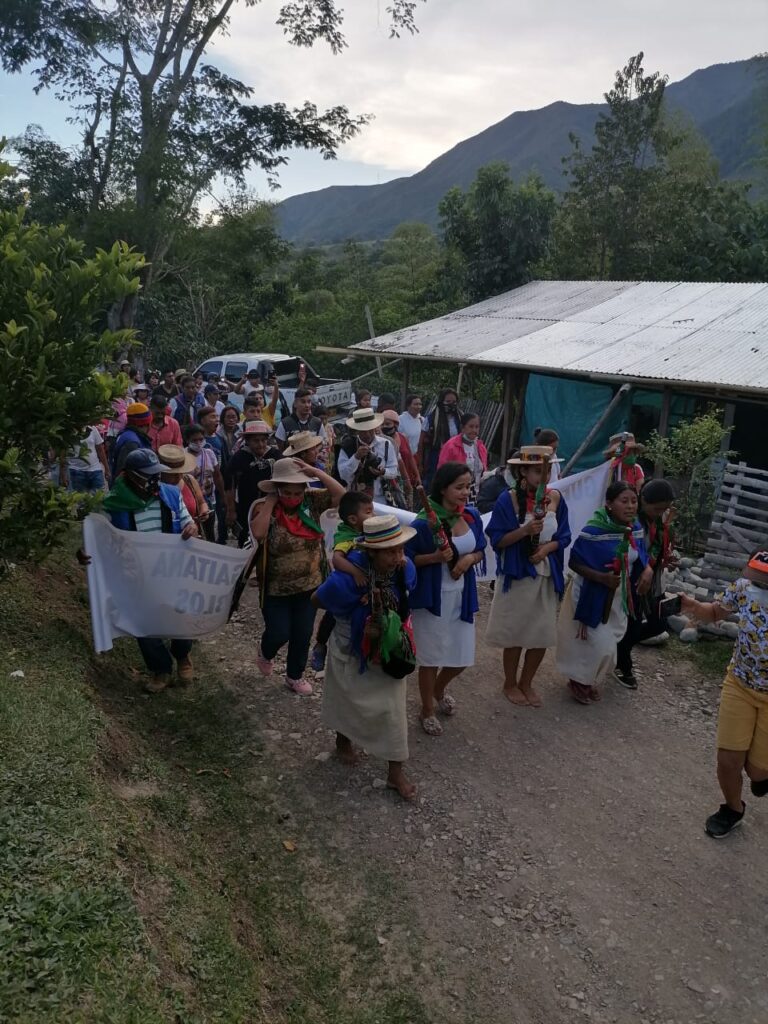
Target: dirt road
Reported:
[(555, 866)]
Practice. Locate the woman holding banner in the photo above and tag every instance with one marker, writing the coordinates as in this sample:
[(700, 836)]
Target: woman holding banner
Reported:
[(608, 557), (529, 532), (448, 545), (291, 563)]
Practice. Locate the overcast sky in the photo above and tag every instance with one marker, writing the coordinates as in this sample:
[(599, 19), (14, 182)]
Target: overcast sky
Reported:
[(472, 63)]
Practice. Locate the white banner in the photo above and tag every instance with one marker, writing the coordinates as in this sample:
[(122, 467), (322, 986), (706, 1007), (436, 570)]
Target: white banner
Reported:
[(156, 584), (584, 492)]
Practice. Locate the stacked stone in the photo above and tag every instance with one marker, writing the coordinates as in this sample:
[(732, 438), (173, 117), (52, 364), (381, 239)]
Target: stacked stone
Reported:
[(687, 579)]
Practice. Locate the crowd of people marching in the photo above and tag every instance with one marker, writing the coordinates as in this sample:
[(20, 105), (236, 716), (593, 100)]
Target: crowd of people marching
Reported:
[(179, 457)]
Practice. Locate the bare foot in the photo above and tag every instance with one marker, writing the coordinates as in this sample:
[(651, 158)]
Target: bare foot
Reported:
[(347, 754), (533, 698), (401, 785), (515, 695)]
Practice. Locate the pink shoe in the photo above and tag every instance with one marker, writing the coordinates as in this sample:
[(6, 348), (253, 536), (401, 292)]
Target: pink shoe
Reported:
[(301, 686), (264, 665)]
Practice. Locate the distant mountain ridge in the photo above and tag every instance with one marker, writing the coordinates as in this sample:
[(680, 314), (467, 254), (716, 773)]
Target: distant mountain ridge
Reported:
[(722, 101)]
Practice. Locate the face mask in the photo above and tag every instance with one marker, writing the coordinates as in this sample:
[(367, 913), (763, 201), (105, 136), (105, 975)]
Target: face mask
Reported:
[(290, 502), (389, 431), (195, 447), (449, 407), (467, 440)]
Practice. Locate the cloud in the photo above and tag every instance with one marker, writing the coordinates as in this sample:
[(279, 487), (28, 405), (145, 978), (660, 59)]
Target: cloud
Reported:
[(476, 61)]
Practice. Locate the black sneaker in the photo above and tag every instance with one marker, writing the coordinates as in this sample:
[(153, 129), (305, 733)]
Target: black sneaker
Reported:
[(625, 678), (759, 788), (726, 820)]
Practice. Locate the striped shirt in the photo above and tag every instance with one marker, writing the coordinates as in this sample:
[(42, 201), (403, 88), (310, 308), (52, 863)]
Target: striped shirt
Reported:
[(150, 520)]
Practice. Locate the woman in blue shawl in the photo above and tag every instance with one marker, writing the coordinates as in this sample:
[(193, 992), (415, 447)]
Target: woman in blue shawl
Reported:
[(529, 540), (364, 703), (448, 547), (608, 557)]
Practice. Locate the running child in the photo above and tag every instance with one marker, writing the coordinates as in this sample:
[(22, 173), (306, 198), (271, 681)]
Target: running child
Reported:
[(742, 725)]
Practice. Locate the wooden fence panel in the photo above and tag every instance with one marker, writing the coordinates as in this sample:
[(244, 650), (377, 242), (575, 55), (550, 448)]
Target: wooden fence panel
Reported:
[(739, 524)]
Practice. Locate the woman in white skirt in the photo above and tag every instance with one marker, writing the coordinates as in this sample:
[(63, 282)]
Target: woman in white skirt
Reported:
[(363, 701), (608, 557), (448, 545), (529, 541)]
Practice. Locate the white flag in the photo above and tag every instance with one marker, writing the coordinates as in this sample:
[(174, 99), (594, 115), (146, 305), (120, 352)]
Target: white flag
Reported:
[(584, 492), (156, 584)]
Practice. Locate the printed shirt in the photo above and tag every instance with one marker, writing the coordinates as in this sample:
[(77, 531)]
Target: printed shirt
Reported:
[(207, 462), (295, 564), (750, 654)]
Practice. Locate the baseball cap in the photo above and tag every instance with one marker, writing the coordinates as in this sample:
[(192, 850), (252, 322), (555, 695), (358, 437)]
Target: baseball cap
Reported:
[(144, 462)]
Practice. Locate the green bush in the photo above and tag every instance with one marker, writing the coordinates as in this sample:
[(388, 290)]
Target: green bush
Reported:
[(53, 335), (689, 457)]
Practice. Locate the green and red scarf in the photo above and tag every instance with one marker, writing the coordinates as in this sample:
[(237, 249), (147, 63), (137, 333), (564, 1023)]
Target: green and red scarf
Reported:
[(602, 520)]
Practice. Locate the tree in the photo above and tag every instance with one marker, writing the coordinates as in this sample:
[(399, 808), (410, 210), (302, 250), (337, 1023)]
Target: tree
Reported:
[(158, 123), (496, 232), (601, 221), (53, 301), (688, 456)]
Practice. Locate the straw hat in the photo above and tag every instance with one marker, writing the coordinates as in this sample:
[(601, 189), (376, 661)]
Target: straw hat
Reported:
[(257, 427), (533, 455), (364, 419), (285, 471), (385, 531), (175, 459), (302, 441), (625, 438)]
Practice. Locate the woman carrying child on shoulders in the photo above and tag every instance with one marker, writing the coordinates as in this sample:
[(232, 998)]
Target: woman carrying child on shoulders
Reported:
[(370, 652), (529, 532)]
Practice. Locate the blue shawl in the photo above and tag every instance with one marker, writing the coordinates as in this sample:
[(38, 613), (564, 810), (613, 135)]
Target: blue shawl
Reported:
[(169, 495), (513, 562), (340, 595), (596, 549), (429, 577)]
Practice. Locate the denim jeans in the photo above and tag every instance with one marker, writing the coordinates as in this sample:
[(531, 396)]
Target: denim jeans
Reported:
[(289, 620), (156, 655), (86, 481)]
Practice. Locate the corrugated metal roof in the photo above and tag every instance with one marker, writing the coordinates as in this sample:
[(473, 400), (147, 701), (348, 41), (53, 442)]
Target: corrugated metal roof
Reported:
[(710, 334)]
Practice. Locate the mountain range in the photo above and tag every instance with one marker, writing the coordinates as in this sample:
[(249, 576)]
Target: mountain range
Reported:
[(725, 102)]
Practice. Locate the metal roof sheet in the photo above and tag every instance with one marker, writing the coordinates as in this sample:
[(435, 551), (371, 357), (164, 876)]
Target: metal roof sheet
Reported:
[(711, 334)]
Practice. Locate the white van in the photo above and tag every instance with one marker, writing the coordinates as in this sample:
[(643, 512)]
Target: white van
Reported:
[(332, 393)]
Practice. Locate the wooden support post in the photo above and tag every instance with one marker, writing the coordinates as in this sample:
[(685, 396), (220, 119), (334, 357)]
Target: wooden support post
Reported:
[(625, 389), (729, 415), (405, 387), (506, 425), (521, 383), (666, 405)]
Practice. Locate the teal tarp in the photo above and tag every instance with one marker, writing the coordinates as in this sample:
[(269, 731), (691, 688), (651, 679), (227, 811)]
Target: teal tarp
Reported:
[(572, 407)]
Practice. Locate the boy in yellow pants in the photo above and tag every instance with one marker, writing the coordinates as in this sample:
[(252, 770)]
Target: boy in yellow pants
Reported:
[(742, 725)]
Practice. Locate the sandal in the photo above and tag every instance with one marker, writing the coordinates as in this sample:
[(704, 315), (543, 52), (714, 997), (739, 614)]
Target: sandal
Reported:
[(447, 705), (430, 725), (579, 691)]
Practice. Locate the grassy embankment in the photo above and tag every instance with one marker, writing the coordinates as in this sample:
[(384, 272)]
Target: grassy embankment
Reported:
[(144, 875)]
